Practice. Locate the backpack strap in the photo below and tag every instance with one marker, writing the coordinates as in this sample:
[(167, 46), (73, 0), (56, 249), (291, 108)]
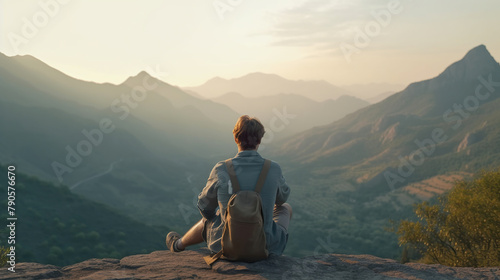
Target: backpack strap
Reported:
[(260, 181), (211, 259), (263, 175), (232, 176)]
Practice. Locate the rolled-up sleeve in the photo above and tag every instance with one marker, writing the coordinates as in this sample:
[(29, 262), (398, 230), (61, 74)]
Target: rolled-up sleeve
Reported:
[(283, 190), (207, 199)]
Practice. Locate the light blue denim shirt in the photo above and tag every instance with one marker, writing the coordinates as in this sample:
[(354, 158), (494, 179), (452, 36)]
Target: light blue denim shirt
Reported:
[(214, 198)]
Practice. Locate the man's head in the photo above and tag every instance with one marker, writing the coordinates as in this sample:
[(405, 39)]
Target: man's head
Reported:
[(248, 132)]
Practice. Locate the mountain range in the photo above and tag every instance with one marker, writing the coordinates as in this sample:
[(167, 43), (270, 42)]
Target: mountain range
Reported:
[(261, 84), (255, 85), (39, 100), (460, 101), (373, 92), (303, 113), (145, 148), (108, 142), (373, 164)]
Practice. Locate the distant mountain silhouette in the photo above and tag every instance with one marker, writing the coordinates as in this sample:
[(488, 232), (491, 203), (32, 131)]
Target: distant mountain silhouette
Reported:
[(260, 84), (184, 117), (372, 91), (180, 99), (380, 97), (306, 113)]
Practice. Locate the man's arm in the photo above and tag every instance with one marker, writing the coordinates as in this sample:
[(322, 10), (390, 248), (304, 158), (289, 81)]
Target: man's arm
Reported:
[(283, 190), (207, 199)]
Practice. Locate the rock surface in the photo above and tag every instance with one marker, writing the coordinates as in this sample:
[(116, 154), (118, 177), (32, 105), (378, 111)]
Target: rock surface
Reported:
[(190, 265)]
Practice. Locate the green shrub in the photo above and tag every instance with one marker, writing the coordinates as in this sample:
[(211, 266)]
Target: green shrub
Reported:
[(463, 229)]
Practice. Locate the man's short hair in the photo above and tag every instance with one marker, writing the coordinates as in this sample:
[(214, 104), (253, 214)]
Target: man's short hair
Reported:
[(248, 131)]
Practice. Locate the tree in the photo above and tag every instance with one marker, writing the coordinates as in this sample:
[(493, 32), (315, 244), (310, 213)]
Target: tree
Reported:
[(463, 229)]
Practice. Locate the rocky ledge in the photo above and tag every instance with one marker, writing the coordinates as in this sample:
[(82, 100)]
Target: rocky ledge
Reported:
[(190, 265)]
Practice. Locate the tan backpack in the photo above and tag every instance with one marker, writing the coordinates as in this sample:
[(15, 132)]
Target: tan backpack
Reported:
[(243, 238)]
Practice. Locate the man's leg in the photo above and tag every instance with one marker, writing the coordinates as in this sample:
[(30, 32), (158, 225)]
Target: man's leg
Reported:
[(282, 215), (193, 236)]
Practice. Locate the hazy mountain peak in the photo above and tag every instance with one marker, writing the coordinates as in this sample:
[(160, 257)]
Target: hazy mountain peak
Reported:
[(25, 56), (143, 74), (232, 94), (263, 84), (139, 78), (260, 75), (346, 97), (479, 56), (215, 80), (479, 51), (478, 61)]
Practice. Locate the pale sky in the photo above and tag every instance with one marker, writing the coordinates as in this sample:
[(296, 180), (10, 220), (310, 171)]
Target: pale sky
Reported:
[(109, 40)]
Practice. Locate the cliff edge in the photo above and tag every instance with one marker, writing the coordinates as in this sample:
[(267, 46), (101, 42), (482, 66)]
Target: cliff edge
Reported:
[(190, 265)]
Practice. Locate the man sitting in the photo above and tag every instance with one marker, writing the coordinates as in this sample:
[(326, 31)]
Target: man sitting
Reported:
[(212, 201)]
